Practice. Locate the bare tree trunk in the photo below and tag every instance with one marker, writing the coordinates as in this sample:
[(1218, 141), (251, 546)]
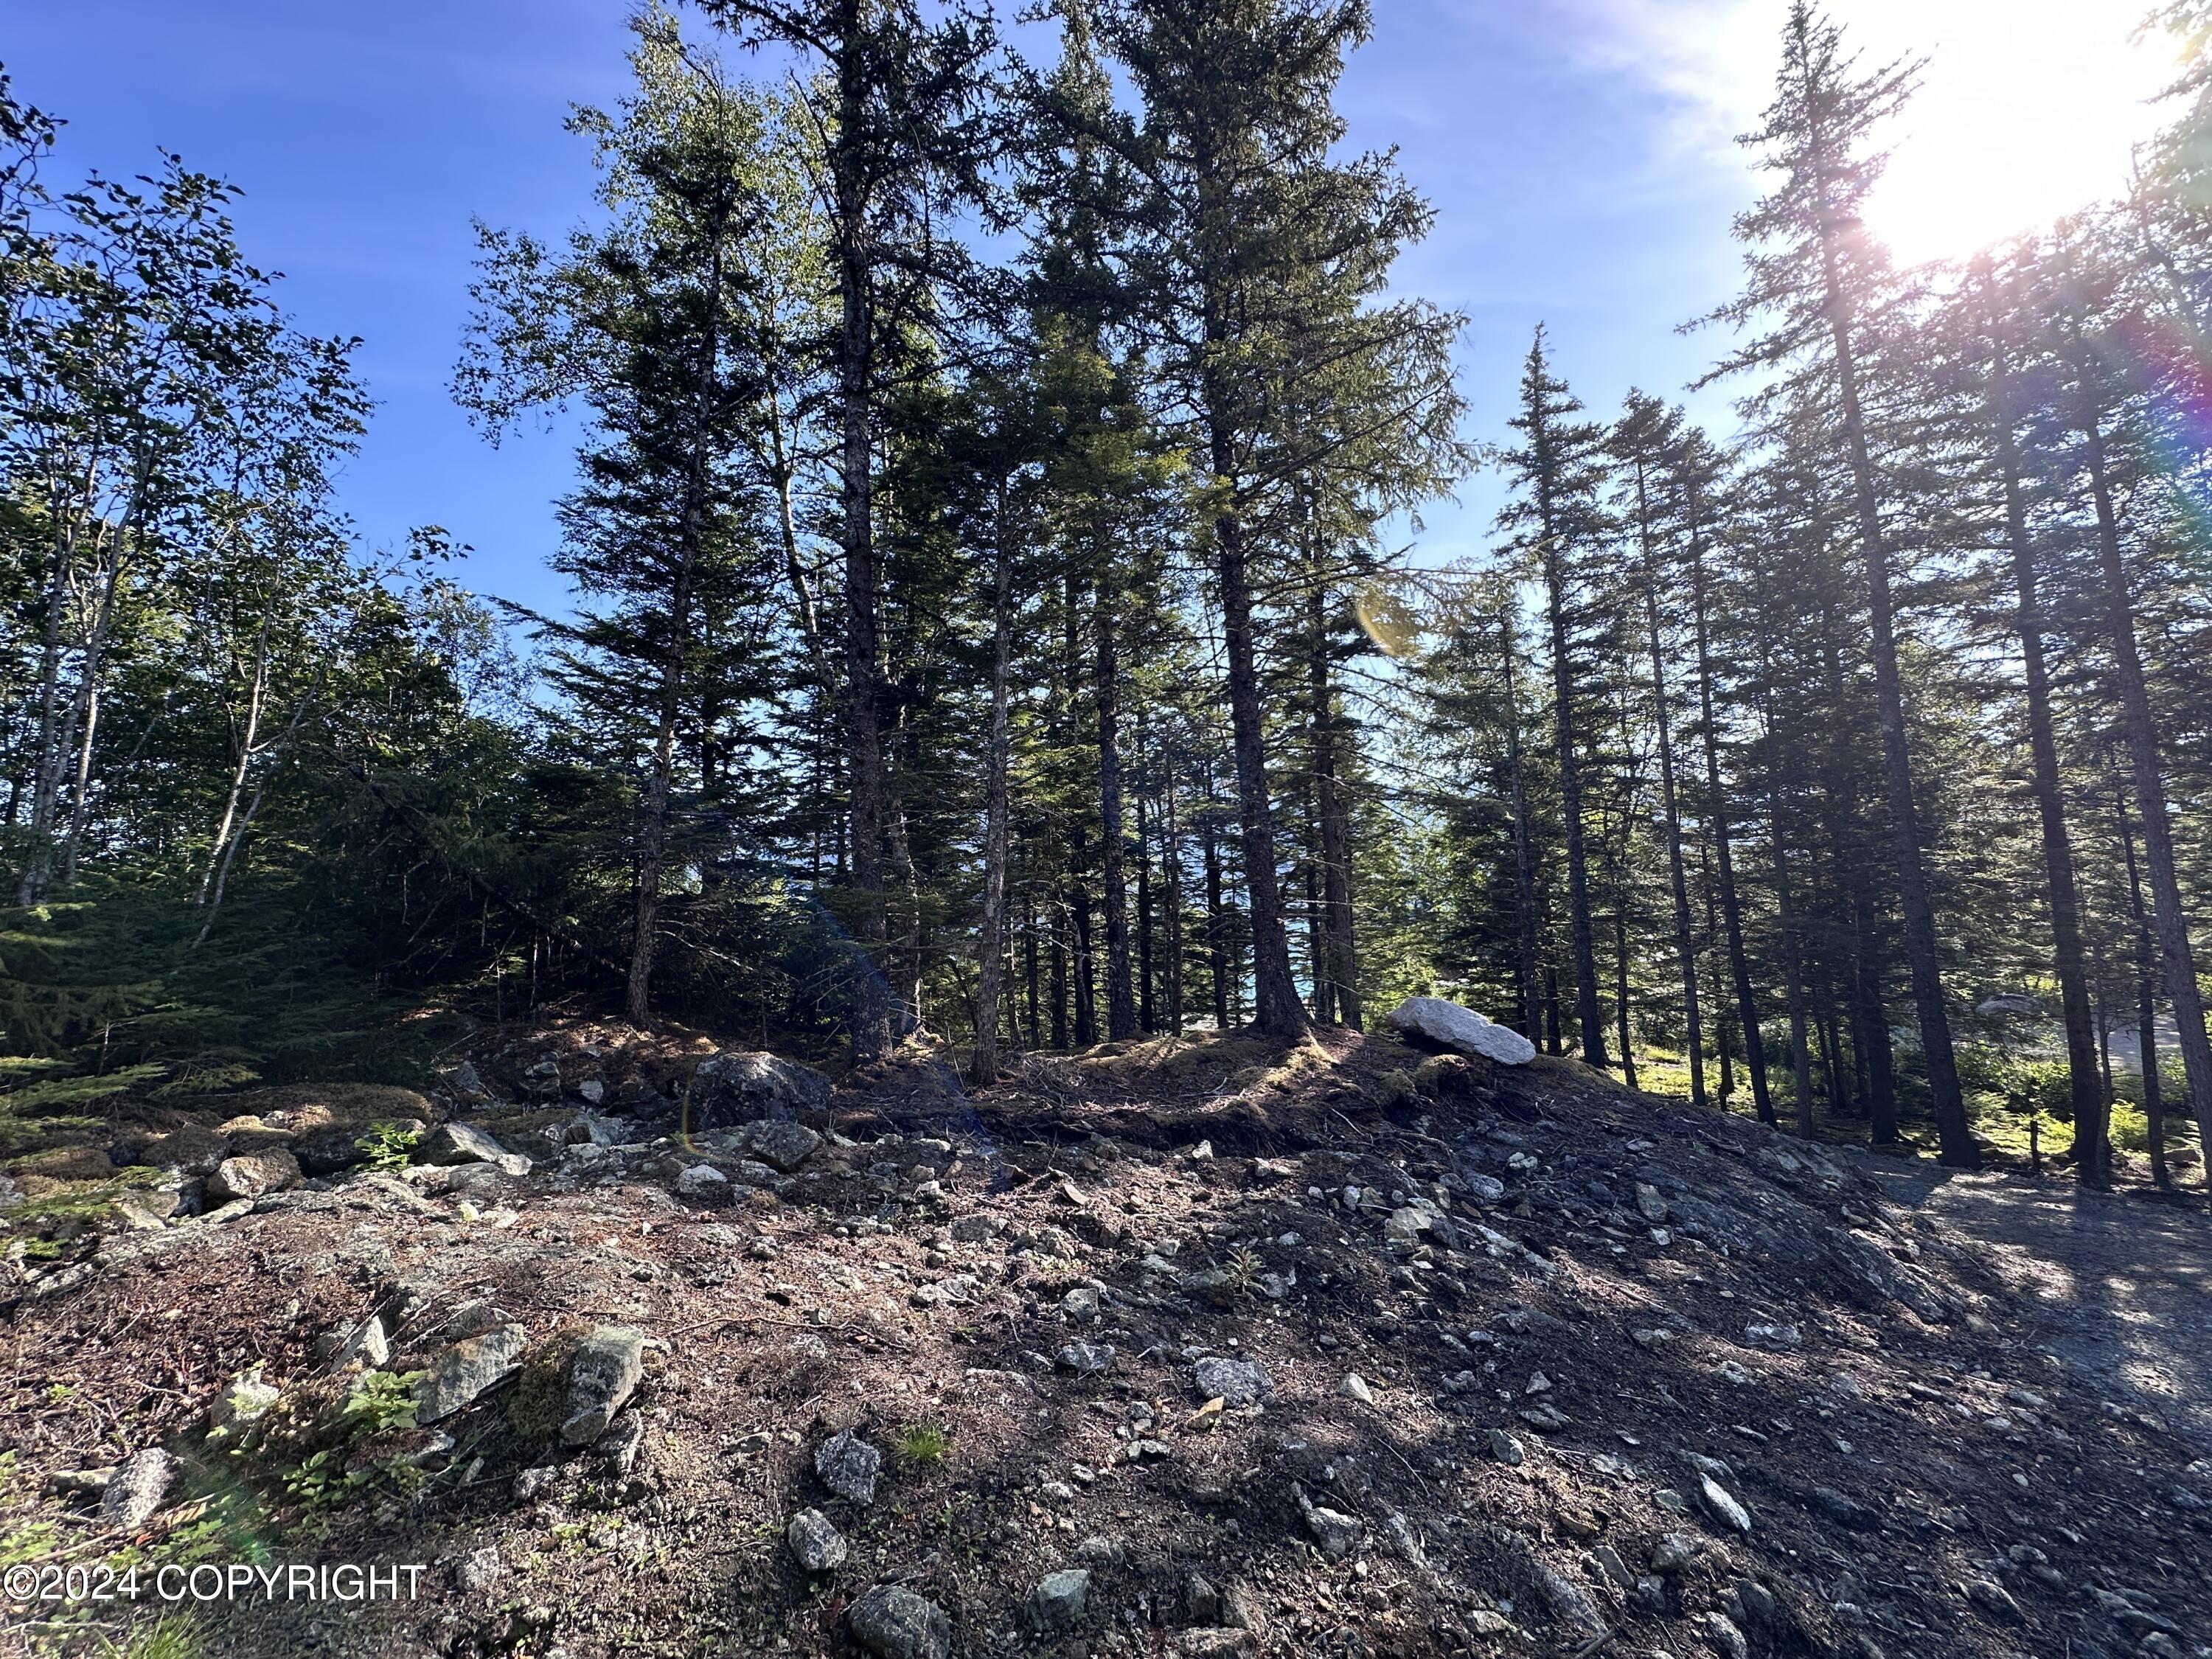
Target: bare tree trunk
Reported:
[(2169, 920), (1147, 1007), (1120, 1002), (2154, 1086), (653, 839), (1280, 1012), (991, 948), (2092, 1137), (1217, 920), (1686, 954), (1588, 1019), (1340, 958), (873, 1025), (1171, 875), (1754, 1054), (238, 773), (1952, 1132), (1524, 868)]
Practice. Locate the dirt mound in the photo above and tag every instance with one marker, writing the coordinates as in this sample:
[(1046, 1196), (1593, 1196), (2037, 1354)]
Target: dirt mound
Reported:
[(1190, 1346)]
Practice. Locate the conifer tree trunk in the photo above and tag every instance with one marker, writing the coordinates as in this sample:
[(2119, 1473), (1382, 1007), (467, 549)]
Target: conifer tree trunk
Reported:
[(2091, 1143), (1120, 999), (991, 947), (2153, 1087), (691, 530), (1588, 1019), (1171, 886), (1955, 1136), (1716, 814), (1279, 1012), (1339, 963), (1147, 1009), (1524, 870), (873, 1019), (1059, 985), (1217, 920), (1686, 954), (1790, 938), (2168, 919)]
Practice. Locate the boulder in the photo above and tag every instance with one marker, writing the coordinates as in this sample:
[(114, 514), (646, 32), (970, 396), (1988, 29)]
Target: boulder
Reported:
[(253, 1176), (737, 1086), (601, 1375), (460, 1143), (461, 1372), (1453, 1026), (892, 1622), (193, 1151)]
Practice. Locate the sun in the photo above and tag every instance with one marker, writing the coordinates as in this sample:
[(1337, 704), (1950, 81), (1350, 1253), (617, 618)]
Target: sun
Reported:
[(2028, 110)]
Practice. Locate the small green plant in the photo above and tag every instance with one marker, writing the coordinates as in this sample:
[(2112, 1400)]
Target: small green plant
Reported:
[(921, 1445), (381, 1401), (1244, 1267), (389, 1146), (177, 1636)]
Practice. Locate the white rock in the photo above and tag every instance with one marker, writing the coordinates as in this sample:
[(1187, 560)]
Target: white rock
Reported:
[(1462, 1029)]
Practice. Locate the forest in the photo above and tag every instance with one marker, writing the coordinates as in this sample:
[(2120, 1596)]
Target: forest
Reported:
[(998, 615)]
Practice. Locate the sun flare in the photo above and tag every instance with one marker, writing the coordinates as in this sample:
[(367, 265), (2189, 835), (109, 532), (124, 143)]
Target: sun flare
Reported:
[(2028, 110)]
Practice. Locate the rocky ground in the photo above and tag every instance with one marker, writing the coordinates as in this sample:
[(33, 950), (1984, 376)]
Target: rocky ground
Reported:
[(1187, 1347)]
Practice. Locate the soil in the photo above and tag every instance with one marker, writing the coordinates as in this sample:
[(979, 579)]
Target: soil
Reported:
[(1766, 1397)]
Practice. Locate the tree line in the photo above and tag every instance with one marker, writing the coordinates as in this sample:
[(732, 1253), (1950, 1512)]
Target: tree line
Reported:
[(997, 608)]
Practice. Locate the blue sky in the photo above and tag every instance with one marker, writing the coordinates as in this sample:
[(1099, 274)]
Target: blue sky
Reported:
[(1577, 152)]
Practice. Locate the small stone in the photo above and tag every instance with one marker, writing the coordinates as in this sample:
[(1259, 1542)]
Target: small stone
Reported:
[(815, 1544), (1086, 1358), (702, 1180), (1354, 1387), (1233, 1382), (1336, 1534), (1614, 1569), (601, 1375), (1995, 1601), (620, 1445), (1722, 1504), (1058, 1602), (1726, 1640), (1505, 1448), (1674, 1552), (1080, 1304), (1201, 1602), (467, 1369), (1214, 1286), (478, 1570), (847, 1465), (892, 1622), (782, 1146), (136, 1490), (1649, 1204), (1538, 1384)]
